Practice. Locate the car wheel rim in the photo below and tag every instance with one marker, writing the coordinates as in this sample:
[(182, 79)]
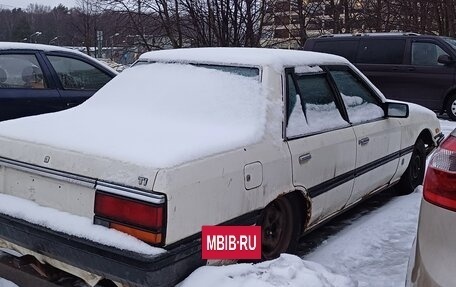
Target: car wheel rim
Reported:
[(453, 108), (274, 230)]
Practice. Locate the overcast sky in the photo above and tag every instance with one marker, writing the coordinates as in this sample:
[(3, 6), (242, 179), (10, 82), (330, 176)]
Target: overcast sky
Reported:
[(24, 3)]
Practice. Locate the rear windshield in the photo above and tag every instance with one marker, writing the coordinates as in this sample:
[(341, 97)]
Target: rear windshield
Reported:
[(250, 72), (241, 71)]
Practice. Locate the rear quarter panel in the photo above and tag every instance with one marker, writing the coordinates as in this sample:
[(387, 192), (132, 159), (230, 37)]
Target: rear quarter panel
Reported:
[(212, 191)]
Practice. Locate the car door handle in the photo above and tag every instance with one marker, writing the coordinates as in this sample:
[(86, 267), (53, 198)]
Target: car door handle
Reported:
[(363, 141), (304, 158), (395, 68), (411, 69)]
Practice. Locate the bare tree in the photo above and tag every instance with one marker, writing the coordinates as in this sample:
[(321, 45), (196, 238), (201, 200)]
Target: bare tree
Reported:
[(293, 18)]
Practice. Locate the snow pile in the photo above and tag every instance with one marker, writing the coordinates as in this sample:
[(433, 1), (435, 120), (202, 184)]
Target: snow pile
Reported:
[(74, 225), (6, 283), (375, 249), (365, 112), (447, 127), (288, 270), (308, 69), (320, 118), (157, 115), (360, 111)]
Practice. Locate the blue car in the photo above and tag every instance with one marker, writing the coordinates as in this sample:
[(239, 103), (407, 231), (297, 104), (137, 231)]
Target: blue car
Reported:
[(37, 79)]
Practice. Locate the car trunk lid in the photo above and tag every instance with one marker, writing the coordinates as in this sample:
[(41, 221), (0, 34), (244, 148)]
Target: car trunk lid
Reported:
[(67, 180)]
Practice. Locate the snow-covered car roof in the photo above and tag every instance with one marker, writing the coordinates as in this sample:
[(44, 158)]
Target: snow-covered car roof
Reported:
[(277, 58), (46, 48), (31, 46)]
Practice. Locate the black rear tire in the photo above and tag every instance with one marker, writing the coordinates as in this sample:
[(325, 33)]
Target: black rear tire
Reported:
[(280, 224), (414, 174), (451, 107)]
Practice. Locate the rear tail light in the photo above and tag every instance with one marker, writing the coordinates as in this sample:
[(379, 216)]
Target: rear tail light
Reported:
[(141, 219), (440, 181), (145, 236)]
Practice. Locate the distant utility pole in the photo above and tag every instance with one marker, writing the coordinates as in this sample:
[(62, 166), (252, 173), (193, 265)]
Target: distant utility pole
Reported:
[(99, 43)]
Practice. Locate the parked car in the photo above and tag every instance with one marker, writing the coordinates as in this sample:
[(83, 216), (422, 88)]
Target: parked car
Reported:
[(36, 79), (404, 66), (114, 65), (211, 136), (432, 261)]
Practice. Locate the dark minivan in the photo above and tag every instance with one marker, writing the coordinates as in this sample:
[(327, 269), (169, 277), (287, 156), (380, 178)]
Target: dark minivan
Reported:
[(404, 66)]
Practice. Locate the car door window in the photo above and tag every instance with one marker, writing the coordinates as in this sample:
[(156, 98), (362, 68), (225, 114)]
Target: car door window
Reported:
[(381, 51), (78, 75), (21, 71), (426, 54), (361, 104), (344, 48), (311, 105)]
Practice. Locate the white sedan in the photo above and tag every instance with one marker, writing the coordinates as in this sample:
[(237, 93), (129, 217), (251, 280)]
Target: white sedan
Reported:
[(281, 139)]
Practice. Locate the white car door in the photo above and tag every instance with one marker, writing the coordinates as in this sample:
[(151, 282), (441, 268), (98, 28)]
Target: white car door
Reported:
[(378, 138), (322, 144)]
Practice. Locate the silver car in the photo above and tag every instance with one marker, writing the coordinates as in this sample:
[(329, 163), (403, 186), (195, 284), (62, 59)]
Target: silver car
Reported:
[(433, 258)]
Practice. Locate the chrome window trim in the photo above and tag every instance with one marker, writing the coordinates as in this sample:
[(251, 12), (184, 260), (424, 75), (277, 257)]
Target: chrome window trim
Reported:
[(47, 172), (130, 192)]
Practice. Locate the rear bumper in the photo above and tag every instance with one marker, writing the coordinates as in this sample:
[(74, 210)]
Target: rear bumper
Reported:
[(129, 268)]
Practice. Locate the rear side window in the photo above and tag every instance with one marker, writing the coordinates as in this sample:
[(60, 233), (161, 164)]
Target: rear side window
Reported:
[(344, 48), (381, 51), (311, 105), (78, 75), (21, 71)]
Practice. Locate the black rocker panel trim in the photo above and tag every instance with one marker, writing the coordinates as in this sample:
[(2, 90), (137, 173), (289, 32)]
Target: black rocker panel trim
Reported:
[(345, 177)]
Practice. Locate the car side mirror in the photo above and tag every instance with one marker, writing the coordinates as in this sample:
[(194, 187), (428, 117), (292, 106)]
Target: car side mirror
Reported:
[(396, 110), (445, 59)]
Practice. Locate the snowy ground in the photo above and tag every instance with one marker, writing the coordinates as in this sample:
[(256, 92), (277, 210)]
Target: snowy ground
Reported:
[(369, 250), (374, 250)]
